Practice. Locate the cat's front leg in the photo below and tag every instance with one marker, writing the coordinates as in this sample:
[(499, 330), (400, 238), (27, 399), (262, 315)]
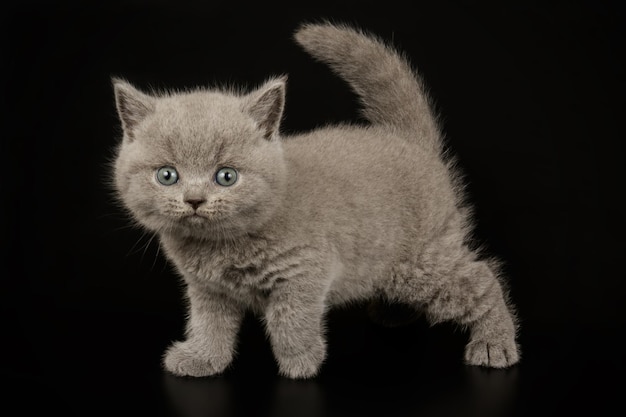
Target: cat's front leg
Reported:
[(294, 322), (211, 333)]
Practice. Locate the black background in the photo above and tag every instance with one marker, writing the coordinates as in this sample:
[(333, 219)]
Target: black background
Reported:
[(531, 97)]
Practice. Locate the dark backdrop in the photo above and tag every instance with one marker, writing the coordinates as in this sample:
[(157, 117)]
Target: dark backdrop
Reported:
[(531, 98)]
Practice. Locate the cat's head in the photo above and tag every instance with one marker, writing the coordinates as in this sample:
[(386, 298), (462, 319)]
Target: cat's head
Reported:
[(206, 164)]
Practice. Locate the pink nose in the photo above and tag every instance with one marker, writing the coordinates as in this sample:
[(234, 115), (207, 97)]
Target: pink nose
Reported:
[(195, 202)]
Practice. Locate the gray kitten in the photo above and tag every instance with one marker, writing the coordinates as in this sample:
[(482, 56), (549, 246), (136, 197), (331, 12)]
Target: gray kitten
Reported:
[(290, 226)]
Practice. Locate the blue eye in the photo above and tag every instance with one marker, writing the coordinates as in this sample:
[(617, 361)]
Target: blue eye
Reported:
[(167, 175), (226, 177)]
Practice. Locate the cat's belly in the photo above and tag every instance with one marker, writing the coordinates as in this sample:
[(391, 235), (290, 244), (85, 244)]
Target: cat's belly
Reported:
[(360, 284)]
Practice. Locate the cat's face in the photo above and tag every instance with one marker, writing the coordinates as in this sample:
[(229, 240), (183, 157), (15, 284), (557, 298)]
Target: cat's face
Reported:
[(202, 164)]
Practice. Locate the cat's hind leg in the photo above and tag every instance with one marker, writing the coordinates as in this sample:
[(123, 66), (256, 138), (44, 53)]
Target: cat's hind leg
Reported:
[(451, 283)]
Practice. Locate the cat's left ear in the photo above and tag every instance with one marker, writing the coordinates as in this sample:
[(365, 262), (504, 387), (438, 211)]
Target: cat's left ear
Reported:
[(132, 106), (266, 106)]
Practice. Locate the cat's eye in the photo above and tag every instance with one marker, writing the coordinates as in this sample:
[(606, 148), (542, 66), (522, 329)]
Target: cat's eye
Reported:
[(167, 175), (226, 177)]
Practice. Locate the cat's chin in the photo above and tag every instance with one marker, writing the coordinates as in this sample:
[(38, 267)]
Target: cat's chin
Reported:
[(196, 223), (196, 218)]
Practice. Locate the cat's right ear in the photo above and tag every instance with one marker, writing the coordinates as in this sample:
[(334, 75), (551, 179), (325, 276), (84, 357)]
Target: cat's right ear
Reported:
[(266, 106), (132, 106)]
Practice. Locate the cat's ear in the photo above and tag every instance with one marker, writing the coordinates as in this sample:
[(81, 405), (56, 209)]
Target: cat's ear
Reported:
[(266, 106), (132, 105)]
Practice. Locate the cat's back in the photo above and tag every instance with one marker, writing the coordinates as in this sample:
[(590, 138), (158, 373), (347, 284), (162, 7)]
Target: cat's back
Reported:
[(368, 161), (347, 146), (366, 171)]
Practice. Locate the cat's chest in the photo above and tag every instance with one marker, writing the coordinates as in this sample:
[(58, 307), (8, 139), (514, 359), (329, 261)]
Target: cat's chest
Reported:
[(245, 269)]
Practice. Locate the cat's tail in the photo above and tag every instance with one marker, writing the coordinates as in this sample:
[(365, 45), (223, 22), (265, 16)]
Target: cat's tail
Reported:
[(391, 92)]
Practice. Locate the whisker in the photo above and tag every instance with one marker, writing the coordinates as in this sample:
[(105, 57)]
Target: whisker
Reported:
[(131, 251), (155, 256), (147, 245), (124, 227), (108, 215)]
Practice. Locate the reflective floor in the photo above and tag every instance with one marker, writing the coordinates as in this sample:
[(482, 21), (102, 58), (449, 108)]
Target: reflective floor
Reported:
[(111, 367)]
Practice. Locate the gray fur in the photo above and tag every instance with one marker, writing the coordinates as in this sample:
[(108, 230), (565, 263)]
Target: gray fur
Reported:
[(335, 215)]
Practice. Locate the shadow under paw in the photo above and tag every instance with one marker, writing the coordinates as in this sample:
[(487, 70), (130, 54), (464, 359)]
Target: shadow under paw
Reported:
[(388, 314)]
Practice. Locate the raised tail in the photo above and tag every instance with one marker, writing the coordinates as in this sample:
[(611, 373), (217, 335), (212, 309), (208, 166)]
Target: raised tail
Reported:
[(389, 89)]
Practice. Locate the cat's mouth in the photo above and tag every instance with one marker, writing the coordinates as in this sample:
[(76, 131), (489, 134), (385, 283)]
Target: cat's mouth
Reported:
[(203, 224), (199, 218)]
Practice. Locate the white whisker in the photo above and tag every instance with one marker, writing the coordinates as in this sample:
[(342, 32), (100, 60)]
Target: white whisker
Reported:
[(131, 251), (147, 245), (156, 256)]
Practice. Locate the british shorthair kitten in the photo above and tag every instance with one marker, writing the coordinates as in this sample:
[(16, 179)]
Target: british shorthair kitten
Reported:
[(290, 226)]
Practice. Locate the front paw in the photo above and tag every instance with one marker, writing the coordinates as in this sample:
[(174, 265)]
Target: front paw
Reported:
[(492, 353), (185, 359), (302, 365)]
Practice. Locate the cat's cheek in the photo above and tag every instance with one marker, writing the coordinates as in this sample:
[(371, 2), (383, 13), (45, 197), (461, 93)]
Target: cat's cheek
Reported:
[(146, 211)]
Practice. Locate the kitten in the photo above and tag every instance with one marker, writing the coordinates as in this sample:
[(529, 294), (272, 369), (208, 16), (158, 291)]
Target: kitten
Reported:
[(290, 226)]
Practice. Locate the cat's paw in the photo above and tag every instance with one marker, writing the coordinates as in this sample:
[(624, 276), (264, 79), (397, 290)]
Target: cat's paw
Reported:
[(184, 359), (303, 365), (493, 354)]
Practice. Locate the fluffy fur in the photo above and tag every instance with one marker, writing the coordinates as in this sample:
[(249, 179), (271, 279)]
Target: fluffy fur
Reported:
[(335, 215)]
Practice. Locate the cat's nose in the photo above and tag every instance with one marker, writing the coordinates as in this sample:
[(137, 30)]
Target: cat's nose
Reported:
[(195, 202)]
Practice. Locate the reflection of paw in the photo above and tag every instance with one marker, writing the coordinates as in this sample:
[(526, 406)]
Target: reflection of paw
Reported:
[(303, 365), (183, 359), (494, 354)]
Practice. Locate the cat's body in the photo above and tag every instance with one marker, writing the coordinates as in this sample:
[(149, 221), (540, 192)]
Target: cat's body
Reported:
[(340, 169), (290, 226)]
